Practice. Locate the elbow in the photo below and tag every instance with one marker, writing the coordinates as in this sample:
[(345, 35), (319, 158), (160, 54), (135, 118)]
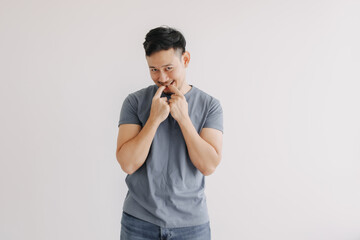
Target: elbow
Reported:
[(211, 169), (127, 168), (208, 171)]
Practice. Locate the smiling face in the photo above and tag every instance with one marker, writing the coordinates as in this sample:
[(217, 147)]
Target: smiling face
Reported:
[(168, 67)]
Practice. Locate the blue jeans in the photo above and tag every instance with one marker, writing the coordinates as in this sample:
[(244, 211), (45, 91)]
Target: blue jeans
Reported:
[(133, 228)]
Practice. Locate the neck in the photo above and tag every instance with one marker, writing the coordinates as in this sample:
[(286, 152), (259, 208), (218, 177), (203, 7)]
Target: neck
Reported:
[(186, 88)]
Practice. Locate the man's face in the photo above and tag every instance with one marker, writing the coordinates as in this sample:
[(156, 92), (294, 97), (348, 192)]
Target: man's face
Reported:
[(168, 67)]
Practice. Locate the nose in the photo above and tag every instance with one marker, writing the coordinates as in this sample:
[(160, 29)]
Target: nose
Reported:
[(163, 79)]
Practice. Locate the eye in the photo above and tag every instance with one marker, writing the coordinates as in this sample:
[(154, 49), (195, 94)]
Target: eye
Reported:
[(169, 68), (153, 69)]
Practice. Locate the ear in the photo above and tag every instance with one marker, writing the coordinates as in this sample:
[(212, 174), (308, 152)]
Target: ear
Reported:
[(185, 58)]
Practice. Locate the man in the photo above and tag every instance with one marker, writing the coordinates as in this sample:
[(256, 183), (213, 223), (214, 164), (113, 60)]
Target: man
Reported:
[(170, 137)]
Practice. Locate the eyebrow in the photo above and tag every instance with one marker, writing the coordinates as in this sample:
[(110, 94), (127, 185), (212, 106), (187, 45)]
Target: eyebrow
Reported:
[(162, 65)]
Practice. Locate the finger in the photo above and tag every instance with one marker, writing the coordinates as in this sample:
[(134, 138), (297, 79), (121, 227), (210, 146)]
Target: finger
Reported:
[(164, 99), (174, 96), (175, 90), (159, 91)]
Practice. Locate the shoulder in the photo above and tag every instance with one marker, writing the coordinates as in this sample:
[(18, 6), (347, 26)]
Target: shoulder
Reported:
[(142, 95), (149, 90), (205, 98)]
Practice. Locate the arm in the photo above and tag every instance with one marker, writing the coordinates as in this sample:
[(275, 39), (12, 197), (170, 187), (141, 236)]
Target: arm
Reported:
[(204, 149), (133, 143)]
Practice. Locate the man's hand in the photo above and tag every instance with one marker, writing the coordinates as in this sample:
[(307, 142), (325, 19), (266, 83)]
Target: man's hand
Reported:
[(160, 108), (178, 105)]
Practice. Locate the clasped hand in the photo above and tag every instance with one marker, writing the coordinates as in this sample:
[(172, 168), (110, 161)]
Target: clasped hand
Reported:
[(176, 105)]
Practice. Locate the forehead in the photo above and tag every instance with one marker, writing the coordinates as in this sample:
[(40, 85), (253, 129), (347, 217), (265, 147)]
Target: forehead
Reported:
[(163, 57)]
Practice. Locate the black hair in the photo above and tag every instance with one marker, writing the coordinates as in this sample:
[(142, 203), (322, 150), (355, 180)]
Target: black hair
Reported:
[(164, 38)]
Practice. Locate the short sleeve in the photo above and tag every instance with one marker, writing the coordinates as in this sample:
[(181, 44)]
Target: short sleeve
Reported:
[(128, 113), (214, 118)]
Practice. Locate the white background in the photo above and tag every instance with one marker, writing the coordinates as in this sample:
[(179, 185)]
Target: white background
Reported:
[(286, 73)]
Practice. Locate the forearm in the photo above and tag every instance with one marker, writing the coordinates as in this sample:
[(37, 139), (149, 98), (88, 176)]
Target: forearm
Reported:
[(133, 153), (202, 154)]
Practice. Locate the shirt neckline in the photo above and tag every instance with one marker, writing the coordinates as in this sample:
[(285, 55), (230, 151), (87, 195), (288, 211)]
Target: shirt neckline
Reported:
[(190, 91)]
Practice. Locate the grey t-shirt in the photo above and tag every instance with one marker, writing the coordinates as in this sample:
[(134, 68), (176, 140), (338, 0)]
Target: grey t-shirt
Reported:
[(168, 190)]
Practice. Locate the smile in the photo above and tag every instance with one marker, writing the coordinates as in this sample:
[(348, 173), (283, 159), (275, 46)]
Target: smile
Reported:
[(169, 83)]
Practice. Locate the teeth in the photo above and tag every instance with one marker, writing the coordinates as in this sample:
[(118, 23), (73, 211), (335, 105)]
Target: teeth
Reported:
[(170, 83)]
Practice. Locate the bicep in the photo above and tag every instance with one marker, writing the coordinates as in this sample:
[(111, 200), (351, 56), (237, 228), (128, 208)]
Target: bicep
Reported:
[(126, 133), (214, 137)]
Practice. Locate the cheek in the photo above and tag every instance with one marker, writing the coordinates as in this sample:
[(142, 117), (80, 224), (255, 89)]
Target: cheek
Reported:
[(154, 77), (175, 75)]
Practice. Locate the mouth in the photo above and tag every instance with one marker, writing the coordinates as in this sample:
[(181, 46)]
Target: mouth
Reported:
[(172, 82)]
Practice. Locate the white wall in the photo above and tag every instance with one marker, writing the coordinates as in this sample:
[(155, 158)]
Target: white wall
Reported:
[(286, 73)]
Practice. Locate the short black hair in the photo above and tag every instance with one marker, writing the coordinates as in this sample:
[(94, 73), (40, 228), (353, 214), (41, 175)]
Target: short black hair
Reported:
[(164, 38)]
